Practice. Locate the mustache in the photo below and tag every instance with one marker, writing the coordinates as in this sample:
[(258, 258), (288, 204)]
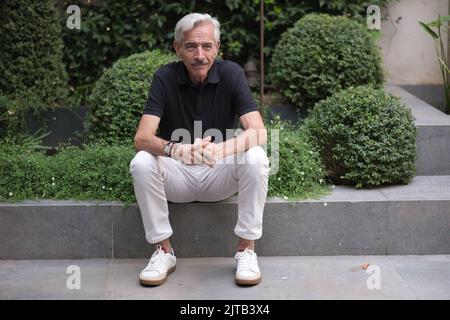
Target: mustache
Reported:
[(199, 63)]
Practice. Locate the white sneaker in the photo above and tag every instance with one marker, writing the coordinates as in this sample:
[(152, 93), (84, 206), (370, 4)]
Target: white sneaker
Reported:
[(159, 267), (247, 272)]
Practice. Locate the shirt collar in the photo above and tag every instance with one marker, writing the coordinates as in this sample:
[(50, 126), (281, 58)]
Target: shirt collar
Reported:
[(213, 74)]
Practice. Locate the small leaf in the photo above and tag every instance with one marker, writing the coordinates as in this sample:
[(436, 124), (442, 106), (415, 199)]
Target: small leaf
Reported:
[(428, 30)]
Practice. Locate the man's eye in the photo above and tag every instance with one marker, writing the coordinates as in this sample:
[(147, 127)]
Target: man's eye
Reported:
[(207, 46)]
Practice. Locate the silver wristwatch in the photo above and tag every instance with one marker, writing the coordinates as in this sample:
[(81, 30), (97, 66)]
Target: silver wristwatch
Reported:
[(168, 147)]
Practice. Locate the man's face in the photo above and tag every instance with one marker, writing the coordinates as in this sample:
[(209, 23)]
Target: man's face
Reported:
[(198, 51)]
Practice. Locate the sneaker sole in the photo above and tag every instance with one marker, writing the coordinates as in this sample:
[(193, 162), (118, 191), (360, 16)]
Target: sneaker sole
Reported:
[(153, 283), (247, 282)]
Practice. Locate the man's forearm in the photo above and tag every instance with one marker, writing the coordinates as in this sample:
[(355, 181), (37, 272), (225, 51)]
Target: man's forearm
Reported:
[(152, 144), (244, 141)]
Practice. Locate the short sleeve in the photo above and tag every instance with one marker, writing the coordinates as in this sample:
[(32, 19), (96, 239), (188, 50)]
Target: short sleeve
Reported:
[(242, 99), (156, 98)]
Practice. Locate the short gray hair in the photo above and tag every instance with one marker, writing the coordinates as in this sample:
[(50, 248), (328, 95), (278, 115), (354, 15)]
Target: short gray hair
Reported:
[(188, 22)]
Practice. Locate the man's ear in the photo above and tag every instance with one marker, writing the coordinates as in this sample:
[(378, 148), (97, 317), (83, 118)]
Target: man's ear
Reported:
[(176, 46), (217, 49)]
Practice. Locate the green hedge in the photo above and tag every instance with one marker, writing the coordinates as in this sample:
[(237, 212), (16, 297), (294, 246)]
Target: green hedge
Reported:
[(97, 172), (365, 136), (301, 174), (101, 171), (31, 52), (321, 55), (119, 97), (12, 117), (118, 28)]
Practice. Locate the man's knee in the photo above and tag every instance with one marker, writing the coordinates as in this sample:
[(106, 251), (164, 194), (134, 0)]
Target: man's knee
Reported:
[(256, 163), (256, 155), (143, 162)]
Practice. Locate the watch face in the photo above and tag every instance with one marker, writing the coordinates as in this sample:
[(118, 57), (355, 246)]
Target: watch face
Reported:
[(166, 149)]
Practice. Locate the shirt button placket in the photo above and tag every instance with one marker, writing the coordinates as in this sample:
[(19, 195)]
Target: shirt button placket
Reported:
[(199, 102)]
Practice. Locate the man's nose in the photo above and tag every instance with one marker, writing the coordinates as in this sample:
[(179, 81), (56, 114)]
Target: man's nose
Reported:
[(199, 53)]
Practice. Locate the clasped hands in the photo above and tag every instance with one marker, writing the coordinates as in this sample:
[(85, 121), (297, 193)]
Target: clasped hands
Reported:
[(202, 151)]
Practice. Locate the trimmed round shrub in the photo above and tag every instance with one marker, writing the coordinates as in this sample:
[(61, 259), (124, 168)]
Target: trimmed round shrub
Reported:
[(31, 52), (119, 96), (365, 136), (321, 55)]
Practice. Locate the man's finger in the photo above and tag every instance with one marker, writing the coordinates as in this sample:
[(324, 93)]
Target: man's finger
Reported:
[(206, 141), (208, 153), (197, 143), (197, 157), (209, 157)]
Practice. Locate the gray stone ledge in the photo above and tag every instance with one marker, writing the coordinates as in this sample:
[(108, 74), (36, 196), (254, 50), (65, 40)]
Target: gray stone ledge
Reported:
[(406, 219)]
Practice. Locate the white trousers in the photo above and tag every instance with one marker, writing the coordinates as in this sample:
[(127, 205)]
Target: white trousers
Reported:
[(159, 179)]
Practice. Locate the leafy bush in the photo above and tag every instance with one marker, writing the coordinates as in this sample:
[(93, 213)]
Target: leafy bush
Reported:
[(115, 29), (13, 116), (98, 172), (365, 136), (31, 52), (300, 174), (21, 170), (101, 172), (110, 30), (321, 55), (120, 94)]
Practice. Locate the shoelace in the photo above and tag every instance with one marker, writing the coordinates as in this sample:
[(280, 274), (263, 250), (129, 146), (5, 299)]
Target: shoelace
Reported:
[(246, 260), (157, 260)]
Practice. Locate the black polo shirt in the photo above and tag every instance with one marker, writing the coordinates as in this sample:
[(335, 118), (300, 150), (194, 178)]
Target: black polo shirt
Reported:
[(178, 102)]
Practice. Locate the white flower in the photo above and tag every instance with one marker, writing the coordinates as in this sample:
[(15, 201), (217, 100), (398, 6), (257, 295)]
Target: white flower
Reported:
[(310, 152), (279, 178), (302, 173), (53, 183), (53, 178), (325, 204), (285, 198), (321, 180), (103, 187), (10, 194)]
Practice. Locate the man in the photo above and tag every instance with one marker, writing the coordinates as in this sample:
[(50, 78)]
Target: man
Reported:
[(190, 99)]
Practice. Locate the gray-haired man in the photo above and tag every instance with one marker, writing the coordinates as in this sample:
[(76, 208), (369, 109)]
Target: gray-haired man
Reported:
[(195, 98)]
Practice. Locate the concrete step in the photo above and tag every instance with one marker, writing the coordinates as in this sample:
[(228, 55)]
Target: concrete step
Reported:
[(433, 134), (336, 277), (394, 220)]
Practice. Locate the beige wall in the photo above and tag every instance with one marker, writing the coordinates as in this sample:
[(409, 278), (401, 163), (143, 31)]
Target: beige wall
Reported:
[(409, 53)]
